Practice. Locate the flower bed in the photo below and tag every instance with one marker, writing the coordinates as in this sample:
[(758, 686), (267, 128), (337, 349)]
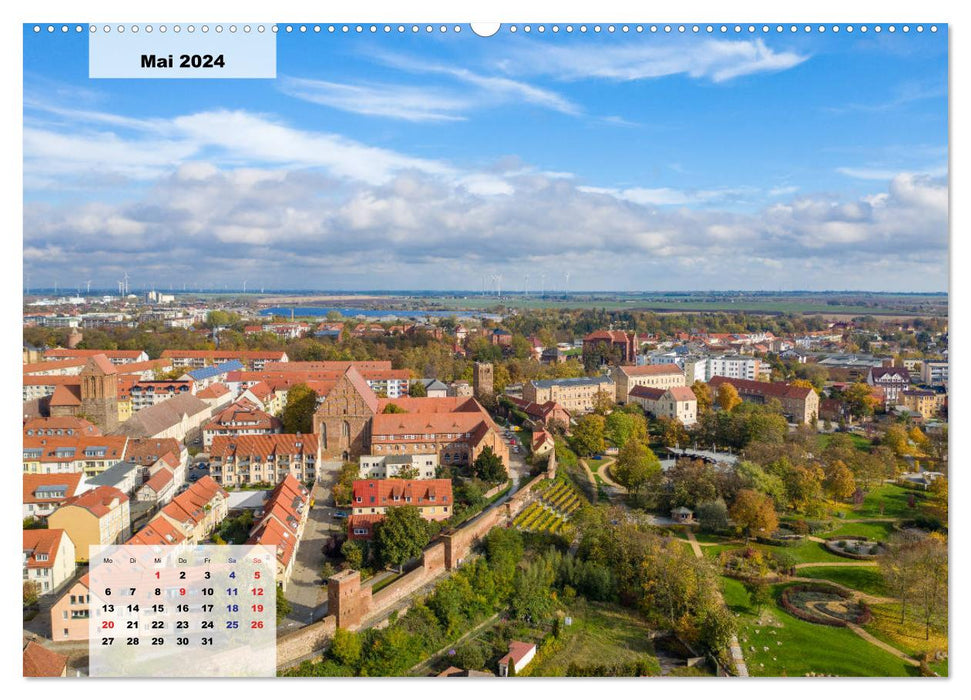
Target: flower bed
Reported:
[(855, 547), (803, 601)]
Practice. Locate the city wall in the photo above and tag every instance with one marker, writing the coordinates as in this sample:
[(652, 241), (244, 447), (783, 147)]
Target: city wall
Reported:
[(353, 606)]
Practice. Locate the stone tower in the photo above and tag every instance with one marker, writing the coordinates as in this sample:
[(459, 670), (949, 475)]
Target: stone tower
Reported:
[(482, 377), (347, 601), (99, 393)]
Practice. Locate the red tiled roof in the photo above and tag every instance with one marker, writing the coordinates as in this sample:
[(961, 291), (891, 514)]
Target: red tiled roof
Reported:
[(66, 395), (421, 492), (213, 391), (98, 501), (115, 446), (40, 662), (42, 542), (650, 393), (263, 445), (147, 451), (30, 368), (607, 336), (771, 389), (64, 423), (683, 393), (34, 481), (77, 352), (517, 651), (100, 362)]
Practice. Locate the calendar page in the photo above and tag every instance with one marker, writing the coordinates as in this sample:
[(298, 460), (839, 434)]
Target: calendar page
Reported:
[(436, 349), (182, 611)]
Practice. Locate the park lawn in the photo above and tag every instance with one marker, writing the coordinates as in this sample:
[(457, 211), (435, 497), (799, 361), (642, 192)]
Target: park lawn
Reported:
[(879, 532), (909, 637), (859, 442), (805, 647), (805, 552), (601, 633), (865, 580), (888, 501)]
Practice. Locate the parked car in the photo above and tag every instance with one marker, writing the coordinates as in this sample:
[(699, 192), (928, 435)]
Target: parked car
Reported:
[(340, 514)]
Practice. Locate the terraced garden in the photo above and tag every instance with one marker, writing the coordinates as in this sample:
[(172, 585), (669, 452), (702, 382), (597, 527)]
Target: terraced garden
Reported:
[(552, 510)]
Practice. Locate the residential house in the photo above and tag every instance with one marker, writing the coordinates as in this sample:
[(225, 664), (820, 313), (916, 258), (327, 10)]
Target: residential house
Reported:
[(49, 557), (391, 466), (242, 418), (44, 493), (124, 476), (373, 497), (100, 516), (893, 381), (541, 414), (281, 525), (925, 402), (519, 656), (68, 454), (70, 614), (799, 404), (116, 357), (148, 393), (677, 403), (189, 517)]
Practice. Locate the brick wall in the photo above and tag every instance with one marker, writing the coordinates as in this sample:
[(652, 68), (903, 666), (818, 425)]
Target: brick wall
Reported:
[(304, 641)]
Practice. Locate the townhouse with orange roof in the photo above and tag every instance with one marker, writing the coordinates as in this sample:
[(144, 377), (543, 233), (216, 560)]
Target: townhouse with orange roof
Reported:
[(49, 559), (100, 516), (195, 512), (44, 493), (91, 454), (371, 499), (281, 524)]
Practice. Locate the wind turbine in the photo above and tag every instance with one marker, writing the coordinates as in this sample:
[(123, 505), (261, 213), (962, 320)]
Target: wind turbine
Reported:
[(526, 285), (567, 290), (244, 286), (88, 283), (542, 285), (125, 278)]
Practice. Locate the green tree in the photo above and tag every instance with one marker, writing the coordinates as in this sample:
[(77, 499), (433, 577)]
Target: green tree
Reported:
[(353, 554), (400, 536), (636, 466), (859, 400), (393, 408), (345, 647), (283, 607), (488, 466), (533, 595), (712, 515), (588, 435), (417, 389), (621, 427), (298, 413)]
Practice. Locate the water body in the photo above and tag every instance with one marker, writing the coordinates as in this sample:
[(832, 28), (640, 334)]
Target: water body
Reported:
[(322, 311)]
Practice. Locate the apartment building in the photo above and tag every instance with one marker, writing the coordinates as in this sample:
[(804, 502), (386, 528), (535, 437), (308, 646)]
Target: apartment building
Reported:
[(100, 516), (148, 393), (934, 372), (390, 466), (69, 454), (371, 498), (256, 459), (281, 525), (240, 419), (45, 493), (654, 376), (576, 395)]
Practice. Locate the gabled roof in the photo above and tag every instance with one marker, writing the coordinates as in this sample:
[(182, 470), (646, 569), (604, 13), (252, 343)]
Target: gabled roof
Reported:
[(66, 395), (98, 501), (396, 492), (99, 364), (262, 445), (46, 488), (163, 415), (41, 662), (41, 426), (682, 393), (43, 542), (780, 390)]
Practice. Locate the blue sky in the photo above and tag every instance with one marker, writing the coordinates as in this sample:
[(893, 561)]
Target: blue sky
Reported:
[(421, 161)]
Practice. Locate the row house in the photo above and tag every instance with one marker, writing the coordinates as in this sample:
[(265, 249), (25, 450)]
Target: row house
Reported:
[(257, 459), (281, 523), (59, 426), (253, 359), (69, 454), (116, 357), (45, 493), (190, 517)]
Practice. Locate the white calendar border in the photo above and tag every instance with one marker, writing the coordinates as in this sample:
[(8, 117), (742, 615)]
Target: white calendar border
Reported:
[(441, 10)]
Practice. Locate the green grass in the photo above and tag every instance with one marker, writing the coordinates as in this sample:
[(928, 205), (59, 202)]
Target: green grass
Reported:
[(887, 501), (602, 634), (806, 551), (860, 442), (874, 531), (909, 637), (805, 647), (866, 580)]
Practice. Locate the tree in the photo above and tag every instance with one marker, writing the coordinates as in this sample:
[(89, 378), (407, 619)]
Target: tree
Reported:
[(804, 488), (840, 483), (603, 402), (712, 515), (407, 472), (283, 607), (588, 435), (343, 488), (417, 389), (400, 536), (859, 400), (760, 594), (345, 647), (754, 513), (931, 573), (936, 505), (702, 393), (896, 439), (393, 408), (727, 397), (621, 427), (31, 592), (718, 626), (488, 466), (636, 465), (353, 554), (298, 413), (672, 432), (532, 598), (692, 482)]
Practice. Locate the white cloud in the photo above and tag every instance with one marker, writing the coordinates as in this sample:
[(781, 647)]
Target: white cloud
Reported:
[(717, 60), (417, 104)]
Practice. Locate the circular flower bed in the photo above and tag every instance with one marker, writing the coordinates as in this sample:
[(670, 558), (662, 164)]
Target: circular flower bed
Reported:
[(824, 605), (855, 547)]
